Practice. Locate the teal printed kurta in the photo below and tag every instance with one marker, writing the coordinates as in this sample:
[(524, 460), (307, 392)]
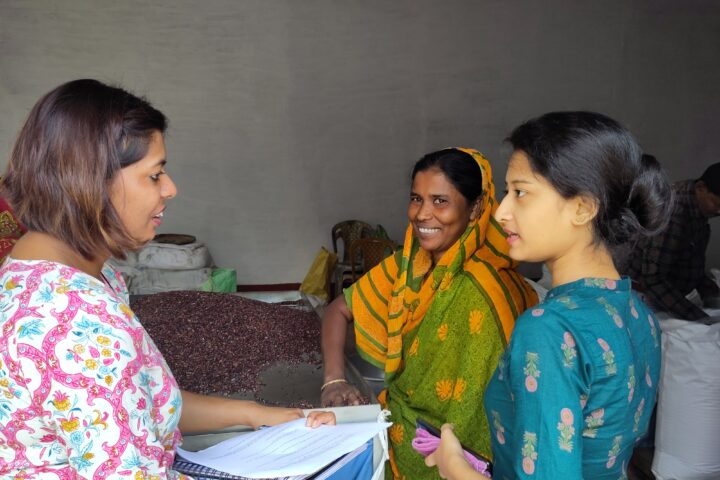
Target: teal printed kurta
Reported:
[(576, 387)]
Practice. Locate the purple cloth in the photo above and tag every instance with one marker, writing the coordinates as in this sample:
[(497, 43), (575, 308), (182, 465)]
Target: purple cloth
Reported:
[(426, 443)]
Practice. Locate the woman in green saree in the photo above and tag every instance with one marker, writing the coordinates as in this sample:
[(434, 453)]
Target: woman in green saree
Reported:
[(437, 315)]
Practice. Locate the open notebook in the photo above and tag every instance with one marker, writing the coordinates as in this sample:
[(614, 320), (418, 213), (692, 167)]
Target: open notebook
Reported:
[(288, 450), (201, 472)]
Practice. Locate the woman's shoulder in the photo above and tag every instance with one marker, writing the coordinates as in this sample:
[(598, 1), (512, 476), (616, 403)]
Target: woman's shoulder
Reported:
[(598, 323), (41, 269), (39, 272), (17, 276), (542, 324), (589, 299), (51, 286), (550, 313), (559, 315)]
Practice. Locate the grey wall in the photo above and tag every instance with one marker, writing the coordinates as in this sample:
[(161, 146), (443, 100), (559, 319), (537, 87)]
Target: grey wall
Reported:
[(288, 116)]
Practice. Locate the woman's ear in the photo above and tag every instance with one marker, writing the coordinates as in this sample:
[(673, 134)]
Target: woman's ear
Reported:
[(585, 210), (475, 212)]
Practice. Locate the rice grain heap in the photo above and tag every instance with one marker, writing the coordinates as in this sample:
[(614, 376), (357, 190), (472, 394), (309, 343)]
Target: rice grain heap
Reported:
[(218, 343)]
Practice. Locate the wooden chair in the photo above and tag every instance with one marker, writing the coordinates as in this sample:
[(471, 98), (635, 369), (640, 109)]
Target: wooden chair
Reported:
[(347, 232), (369, 251)]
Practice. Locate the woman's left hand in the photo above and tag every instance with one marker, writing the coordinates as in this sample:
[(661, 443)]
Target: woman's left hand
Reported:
[(202, 413), (449, 457), (276, 415), (319, 417)]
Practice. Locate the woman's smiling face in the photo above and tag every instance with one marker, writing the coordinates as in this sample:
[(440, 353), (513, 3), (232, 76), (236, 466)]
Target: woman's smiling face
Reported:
[(438, 212)]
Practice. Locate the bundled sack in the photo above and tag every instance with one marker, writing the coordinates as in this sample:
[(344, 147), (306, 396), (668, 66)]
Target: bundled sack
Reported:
[(174, 257), (687, 436), (172, 262), (222, 280), (155, 280)]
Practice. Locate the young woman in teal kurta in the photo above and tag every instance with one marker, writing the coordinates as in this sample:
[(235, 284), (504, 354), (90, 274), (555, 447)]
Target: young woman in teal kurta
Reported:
[(576, 386)]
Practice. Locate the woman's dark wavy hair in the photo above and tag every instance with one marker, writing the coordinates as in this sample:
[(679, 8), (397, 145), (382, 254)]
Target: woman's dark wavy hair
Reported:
[(459, 167), (587, 153), (75, 140)]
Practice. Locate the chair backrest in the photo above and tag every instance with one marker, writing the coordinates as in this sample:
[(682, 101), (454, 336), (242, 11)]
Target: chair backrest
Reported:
[(371, 250), (348, 231)]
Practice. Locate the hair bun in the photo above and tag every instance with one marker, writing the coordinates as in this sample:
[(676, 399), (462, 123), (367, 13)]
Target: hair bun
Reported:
[(650, 199), (624, 227), (588, 153)]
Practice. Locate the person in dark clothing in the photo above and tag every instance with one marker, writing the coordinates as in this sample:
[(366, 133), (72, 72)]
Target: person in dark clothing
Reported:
[(670, 265)]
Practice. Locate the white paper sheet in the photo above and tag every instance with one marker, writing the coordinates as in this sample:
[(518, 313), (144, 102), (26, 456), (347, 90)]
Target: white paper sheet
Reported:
[(284, 450)]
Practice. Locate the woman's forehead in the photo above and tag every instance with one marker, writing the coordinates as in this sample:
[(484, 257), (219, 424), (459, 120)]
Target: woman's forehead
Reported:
[(433, 179)]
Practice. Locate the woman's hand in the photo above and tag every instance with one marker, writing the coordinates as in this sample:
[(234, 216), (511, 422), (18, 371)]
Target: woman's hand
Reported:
[(449, 458), (335, 322), (202, 413), (340, 394), (317, 418), (274, 415)]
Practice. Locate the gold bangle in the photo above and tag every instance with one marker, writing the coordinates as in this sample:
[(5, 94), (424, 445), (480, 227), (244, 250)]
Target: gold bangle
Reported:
[(330, 382)]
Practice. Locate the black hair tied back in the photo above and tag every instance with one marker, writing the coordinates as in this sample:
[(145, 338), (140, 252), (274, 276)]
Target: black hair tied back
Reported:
[(588, 153), (648, 205)]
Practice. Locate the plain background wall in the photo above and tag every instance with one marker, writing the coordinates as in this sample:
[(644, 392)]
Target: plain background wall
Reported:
[(288, 116)]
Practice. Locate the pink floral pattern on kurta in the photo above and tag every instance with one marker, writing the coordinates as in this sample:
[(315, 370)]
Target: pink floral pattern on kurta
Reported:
[(84, 391)]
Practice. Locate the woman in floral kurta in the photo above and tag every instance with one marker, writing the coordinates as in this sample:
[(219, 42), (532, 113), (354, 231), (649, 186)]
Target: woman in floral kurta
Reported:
[(83, 389), (84, 392), (576, 386)]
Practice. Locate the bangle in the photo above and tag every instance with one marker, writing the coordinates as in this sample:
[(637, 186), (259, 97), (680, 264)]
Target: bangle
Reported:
[(330, 382)]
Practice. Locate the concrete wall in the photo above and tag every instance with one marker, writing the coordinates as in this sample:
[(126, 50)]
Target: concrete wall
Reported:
[(288, 116)]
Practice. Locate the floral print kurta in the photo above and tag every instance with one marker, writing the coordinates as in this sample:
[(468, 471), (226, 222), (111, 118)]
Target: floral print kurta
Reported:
[(577, 384), (84, 391)]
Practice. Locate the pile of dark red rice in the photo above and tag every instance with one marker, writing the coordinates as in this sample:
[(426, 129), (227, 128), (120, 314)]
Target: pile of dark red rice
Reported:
[(217, 343)]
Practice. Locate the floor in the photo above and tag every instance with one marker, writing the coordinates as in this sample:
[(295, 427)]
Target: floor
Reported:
[(284, 383)]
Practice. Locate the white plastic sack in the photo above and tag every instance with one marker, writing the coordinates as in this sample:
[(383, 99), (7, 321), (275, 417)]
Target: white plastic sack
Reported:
[(546, 280), (539, 289), (131, 259), (152, 280), (127, 268), (687, 437), (174, 257)]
